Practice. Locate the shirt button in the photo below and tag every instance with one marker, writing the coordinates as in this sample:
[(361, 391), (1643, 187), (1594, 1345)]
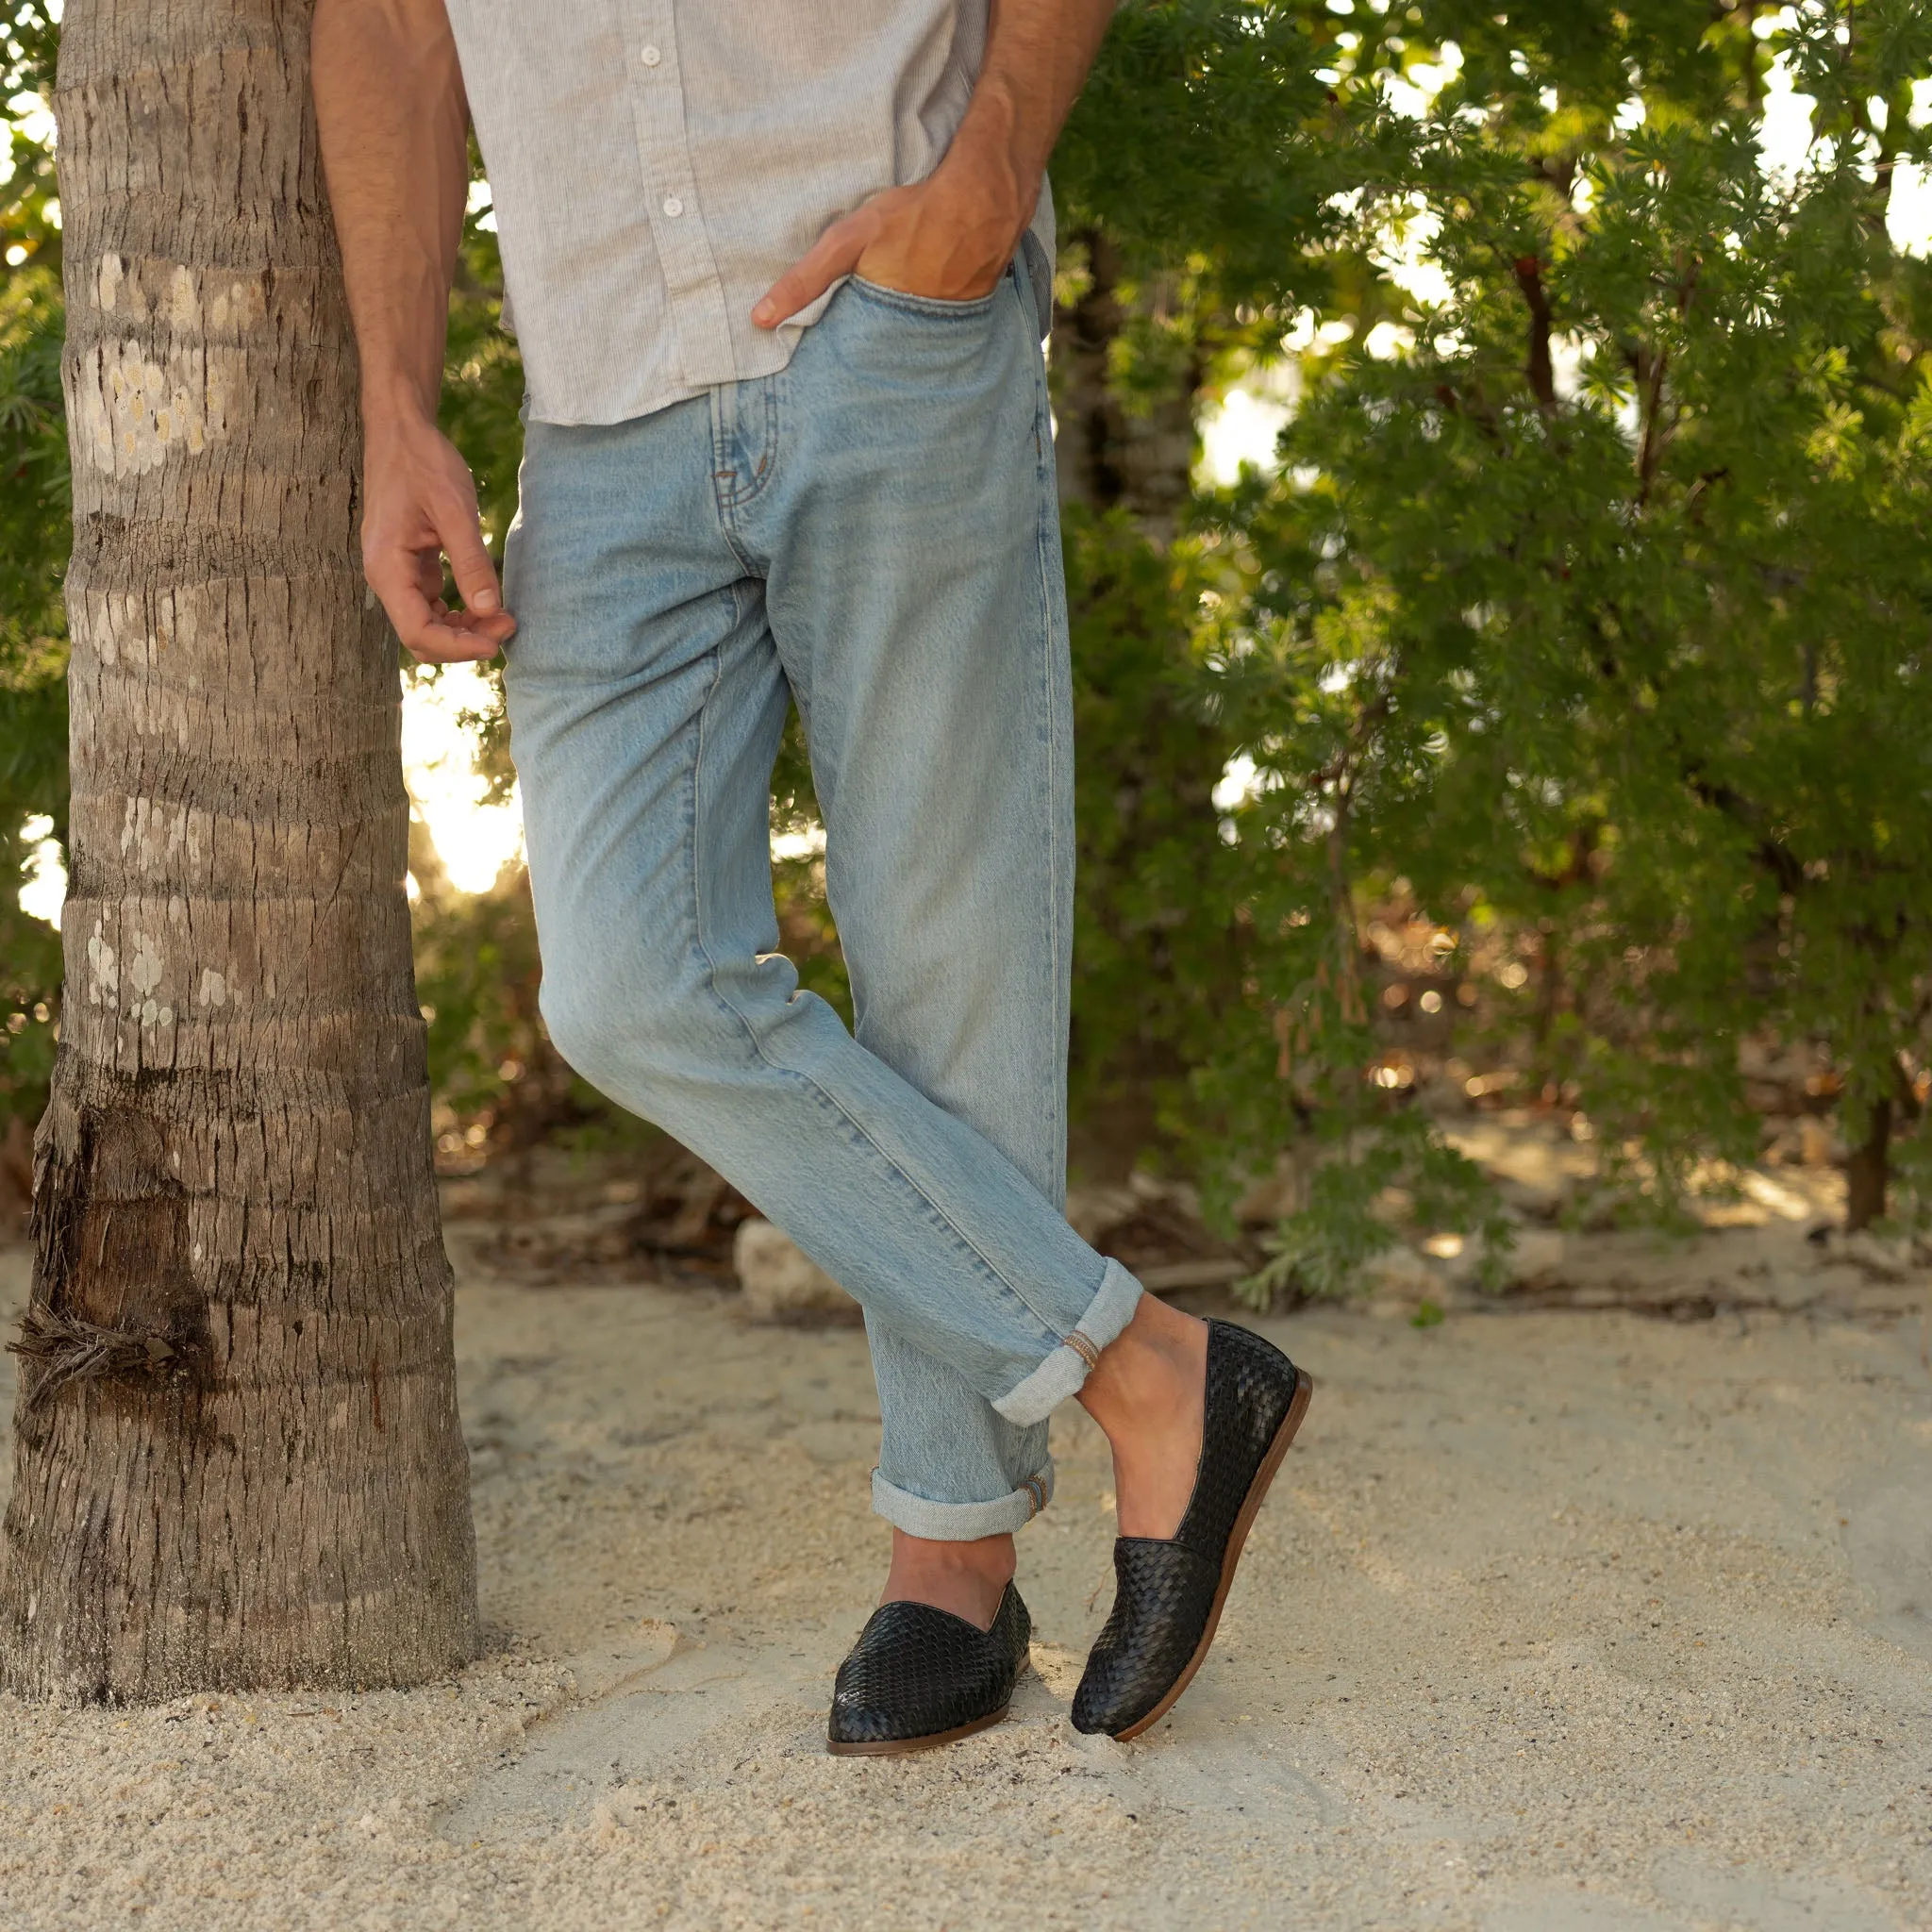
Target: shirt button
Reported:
[(672, 207), (650, 57)]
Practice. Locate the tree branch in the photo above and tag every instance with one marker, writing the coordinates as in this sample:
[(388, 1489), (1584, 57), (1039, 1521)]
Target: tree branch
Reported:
[(1541, 372)]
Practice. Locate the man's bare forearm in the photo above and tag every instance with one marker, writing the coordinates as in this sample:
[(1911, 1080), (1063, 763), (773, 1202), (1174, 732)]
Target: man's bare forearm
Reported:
[(394, 126), (1038, 53), (394, 122)]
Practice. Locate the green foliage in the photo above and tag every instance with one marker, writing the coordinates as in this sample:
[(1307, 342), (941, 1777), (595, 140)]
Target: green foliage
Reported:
[(1601, 607), (33, 555), (481, 413), (1206, 136), (1158, 950), (1584, 620), (33, 707), (495, 1078), (1214, 154), (483, 372)]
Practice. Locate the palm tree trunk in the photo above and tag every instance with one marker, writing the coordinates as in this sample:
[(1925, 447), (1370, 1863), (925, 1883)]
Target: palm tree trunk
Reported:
[(238, 1460)]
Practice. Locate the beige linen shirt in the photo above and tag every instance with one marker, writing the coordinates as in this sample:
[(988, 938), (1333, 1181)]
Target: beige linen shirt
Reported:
[(656, 164)]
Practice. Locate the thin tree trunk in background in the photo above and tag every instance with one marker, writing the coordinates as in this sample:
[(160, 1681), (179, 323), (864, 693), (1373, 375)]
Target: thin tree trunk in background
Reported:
[(1162, 763), (1109, 455), (1868, 1170), (237, 1454)]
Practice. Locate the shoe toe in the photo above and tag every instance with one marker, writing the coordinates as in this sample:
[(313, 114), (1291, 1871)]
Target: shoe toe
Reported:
[(918, 1673), (856, 1722), (1164, 1597)]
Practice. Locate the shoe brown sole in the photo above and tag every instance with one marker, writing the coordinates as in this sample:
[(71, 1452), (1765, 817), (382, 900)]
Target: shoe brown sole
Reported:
[(1251, 1508), (904, 1747)]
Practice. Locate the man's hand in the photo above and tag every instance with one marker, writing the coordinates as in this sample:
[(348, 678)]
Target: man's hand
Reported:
[(395, 127), (949, 236), (420, 507), (953, 234)]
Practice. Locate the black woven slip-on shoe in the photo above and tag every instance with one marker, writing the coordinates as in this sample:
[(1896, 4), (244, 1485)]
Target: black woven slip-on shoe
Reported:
[(1167, 1593), (920, 1676)]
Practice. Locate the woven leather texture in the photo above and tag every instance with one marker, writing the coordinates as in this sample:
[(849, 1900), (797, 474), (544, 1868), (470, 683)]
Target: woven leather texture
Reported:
[(1164, 1589), (916, 1671), (1251, 1385), (1162, 1594)]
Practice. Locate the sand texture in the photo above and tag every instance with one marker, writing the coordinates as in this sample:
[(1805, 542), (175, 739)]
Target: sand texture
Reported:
[(1559, 1621)]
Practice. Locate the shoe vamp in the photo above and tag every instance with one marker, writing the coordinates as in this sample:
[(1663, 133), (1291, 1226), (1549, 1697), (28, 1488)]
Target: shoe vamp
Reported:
[(1250, 1388)]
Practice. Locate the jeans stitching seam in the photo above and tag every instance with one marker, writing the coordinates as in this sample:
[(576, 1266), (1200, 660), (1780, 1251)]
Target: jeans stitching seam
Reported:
[(1041, 549), (769, 474), (716, 654), (761, 479), (726, 502)]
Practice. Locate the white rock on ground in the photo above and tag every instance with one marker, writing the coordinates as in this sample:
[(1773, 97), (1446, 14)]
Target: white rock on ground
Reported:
[(779, 1281), (1399, 1275)]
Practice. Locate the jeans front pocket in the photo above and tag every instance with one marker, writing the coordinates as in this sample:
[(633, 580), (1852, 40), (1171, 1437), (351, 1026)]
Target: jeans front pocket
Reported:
[(931, 352), (939, 308)]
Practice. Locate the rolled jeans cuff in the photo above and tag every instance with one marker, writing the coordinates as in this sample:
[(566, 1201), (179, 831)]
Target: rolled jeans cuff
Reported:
[(963, 1522), (1062, 1373)]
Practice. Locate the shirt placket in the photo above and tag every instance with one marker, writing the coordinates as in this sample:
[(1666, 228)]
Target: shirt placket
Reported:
[(696, 313)]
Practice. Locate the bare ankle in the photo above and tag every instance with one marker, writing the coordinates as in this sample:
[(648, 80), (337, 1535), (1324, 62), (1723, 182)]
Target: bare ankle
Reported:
[(1147, 1393), (1157, 1358), (967, 1578), (984, 1556)]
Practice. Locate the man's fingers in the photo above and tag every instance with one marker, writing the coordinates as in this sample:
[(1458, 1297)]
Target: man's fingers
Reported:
[(396, 579), (405, 583), (422, 509), (462, 542), (438, 644), (834, 254)]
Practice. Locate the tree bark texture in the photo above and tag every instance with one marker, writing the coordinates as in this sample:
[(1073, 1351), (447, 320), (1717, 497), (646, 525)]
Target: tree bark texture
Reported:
[(238, 1460)]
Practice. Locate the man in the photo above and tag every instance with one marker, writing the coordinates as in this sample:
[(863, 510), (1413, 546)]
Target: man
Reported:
[(779, 273)]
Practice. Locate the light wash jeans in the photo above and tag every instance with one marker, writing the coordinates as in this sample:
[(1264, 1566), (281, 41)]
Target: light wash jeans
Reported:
[(875, 532)]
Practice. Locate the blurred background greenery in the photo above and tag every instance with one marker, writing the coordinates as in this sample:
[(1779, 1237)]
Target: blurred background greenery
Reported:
[(1496, 457)]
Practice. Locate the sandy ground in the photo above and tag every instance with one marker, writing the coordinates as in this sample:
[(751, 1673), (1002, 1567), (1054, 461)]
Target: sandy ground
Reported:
[(1556, 1621)]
